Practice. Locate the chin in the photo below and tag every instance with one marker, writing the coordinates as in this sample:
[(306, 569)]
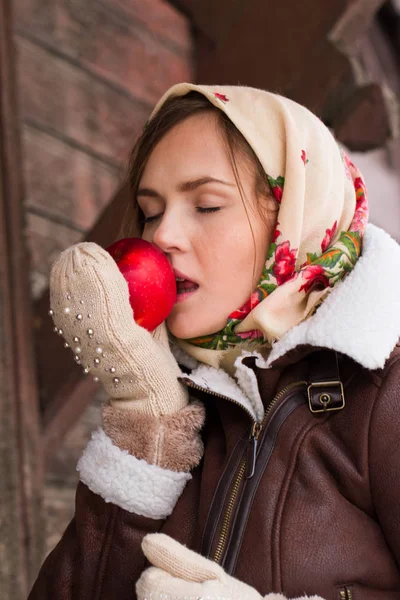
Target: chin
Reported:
[(182, 328), (182, 331)]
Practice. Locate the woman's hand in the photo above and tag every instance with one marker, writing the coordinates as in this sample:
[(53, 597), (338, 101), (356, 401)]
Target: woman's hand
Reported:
[(181, 574), (89, 298)]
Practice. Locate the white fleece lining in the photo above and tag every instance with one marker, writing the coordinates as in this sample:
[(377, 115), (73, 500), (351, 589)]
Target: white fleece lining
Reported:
[(220, 382), (182, 357), (361, 316), (247, 381), (243, 390), (128, 482)]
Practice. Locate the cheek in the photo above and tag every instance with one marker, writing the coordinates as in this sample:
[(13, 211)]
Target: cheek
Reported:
[(233, 269), (232, 254), (240, 251)]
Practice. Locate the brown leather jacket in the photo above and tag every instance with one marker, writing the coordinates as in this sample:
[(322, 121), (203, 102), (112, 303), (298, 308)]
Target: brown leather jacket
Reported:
[(308, 502), (312, 506)]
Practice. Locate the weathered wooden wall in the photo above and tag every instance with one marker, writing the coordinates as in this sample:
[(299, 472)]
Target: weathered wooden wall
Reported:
[(89, 74)]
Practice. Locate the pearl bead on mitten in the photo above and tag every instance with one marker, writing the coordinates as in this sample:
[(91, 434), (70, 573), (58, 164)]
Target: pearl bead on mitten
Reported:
[(148, 413), (181, 574)]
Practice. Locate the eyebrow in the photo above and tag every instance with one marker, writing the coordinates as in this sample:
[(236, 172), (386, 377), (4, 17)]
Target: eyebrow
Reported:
[(186, 186)]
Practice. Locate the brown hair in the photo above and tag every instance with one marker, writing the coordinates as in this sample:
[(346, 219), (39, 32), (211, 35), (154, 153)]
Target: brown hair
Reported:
[(175, 110)]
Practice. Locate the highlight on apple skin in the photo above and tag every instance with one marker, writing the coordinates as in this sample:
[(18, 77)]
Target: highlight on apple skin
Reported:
[(150, 278)]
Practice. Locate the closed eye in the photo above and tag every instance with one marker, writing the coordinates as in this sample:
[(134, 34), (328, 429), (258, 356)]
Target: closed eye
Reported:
[(151, 219), (211, 209), (199, 209)]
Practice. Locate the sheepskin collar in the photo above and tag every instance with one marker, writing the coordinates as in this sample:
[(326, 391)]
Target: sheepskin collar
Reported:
[(359, 318)]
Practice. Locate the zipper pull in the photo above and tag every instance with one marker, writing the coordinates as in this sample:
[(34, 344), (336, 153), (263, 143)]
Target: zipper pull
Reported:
[(251, 454)]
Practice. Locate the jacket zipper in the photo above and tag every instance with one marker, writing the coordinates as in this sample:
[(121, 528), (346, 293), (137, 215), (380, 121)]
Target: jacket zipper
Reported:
[(346, 593), (189, 383), (228, 513), (250, 456), (258, 427)]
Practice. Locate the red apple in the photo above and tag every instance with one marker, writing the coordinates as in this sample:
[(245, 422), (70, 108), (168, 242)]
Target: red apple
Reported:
[(150, 278)]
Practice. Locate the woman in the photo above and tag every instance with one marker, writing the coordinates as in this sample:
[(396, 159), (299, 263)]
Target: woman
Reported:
[(284, 346)]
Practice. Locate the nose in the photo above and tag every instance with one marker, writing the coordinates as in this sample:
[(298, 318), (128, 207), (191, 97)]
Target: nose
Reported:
[(170, 235)]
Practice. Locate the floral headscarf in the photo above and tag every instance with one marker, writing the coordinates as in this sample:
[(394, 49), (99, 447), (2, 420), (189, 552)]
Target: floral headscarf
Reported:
[(322, 214)]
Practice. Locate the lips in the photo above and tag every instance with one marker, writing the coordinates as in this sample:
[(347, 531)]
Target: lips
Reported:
[(183, 283), (183, 287), (181, 276)]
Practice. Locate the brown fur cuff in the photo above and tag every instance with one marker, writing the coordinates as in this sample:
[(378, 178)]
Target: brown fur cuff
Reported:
[(170, 441)]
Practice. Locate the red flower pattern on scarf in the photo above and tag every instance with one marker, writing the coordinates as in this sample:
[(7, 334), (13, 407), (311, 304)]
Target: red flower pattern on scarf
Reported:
[(244, 310), (347, 165), (361, 214), (255, 334), (285, 262), (278, 193), (326, 242), (314, 274), (276, 233), (221, 97)]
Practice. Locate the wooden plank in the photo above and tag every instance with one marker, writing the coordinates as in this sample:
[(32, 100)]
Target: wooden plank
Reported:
[(119, 50), (21, 474), (60, 98), (161, 19), (80, 184), (46, 238)]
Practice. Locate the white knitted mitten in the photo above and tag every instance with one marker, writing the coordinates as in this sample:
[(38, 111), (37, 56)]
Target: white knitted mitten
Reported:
[(181, 574), (89, 300)]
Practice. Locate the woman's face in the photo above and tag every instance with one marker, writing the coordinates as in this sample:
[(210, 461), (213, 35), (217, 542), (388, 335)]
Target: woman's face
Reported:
[(195, 214)]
